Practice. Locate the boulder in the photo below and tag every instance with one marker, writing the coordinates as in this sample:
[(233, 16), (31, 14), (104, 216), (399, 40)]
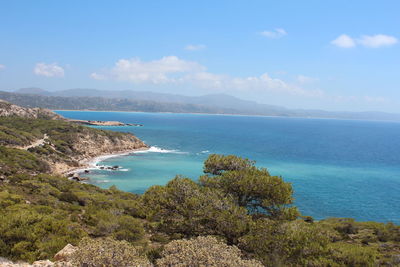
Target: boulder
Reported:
[(43, 263), (66, 253)]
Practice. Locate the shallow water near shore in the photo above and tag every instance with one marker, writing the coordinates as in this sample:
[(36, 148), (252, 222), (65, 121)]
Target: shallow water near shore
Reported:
[(338, 168)]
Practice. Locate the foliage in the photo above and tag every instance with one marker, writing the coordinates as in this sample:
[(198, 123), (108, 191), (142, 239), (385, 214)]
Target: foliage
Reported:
[(253, 188), (203, 251), (346, 254), (107, 252), (289, 243), (184, 207), (216, 164), (43, 213), (16, 161), (33, 233)]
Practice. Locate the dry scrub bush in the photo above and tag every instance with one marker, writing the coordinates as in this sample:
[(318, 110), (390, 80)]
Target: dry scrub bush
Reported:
[(203, 251), (107, 252)]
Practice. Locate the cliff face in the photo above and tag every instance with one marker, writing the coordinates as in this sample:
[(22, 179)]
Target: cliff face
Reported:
[(92, 144)]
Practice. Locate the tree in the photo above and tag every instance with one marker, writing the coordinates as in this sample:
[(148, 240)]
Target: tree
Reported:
[(216, 164), (251, 187)]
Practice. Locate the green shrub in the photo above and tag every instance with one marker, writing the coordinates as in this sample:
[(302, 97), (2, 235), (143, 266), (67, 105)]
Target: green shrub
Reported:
[(353, 255), (294, 243), (184, 207)]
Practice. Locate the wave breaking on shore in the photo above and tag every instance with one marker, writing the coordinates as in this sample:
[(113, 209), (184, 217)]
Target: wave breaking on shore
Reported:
[(155, 149), (95, 163)]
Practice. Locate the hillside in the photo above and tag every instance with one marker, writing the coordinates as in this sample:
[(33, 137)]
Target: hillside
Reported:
[(146, 101), (234, 215), (9, 110), (64, 145)]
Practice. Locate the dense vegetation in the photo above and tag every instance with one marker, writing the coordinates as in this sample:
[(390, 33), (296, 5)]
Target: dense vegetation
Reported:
[(236, 213)]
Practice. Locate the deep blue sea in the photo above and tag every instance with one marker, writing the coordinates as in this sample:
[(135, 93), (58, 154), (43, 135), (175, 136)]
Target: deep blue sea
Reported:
[(338, 168)]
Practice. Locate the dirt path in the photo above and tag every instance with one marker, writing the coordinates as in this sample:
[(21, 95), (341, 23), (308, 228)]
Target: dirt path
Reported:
[(36, 143)]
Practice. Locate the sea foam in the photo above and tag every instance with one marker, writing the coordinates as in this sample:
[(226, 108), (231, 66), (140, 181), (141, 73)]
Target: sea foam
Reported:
[(155, 149)]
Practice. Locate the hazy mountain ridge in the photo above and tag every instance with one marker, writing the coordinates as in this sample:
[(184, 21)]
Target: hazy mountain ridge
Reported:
[(93, 99), (106, 104)]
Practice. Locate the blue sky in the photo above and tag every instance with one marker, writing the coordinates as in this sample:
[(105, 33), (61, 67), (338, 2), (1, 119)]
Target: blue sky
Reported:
[(332, 55)]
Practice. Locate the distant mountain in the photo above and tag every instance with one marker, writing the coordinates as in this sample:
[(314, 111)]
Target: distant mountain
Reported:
[(212, 100), (102, 103), (33, 91), (93, 99)]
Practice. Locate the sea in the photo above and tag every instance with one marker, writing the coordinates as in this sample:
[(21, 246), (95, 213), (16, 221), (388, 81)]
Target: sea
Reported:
[(338, 168)]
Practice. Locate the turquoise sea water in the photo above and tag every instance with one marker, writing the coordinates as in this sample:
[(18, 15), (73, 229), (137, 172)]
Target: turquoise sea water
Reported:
[(338, 168)]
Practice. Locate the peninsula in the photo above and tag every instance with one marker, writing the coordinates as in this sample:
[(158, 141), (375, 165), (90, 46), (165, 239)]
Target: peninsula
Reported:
[(103, 123), (61, 143)]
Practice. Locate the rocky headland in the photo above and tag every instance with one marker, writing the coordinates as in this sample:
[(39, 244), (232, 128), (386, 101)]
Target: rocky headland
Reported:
[(63, 144)]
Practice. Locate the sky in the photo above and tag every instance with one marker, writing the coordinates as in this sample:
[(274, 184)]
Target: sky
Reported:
[(331, 55)]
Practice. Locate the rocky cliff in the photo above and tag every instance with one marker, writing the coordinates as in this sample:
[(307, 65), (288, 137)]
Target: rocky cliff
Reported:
[(90, 144), (8, 110)]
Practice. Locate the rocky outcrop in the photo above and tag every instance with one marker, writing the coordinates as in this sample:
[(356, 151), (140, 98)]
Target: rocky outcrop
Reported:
[(61, 259), (7, 110), (91, 144), (42, 263)]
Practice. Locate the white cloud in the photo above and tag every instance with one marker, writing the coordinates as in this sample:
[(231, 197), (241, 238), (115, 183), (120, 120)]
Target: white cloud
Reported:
[(172, 70), (164, 70), (192, 47), (97, 76), (344, 41), (377, 40), (305, 79), (2, 66), (48, 70), (371, 41), (375, 99), (275, 34)]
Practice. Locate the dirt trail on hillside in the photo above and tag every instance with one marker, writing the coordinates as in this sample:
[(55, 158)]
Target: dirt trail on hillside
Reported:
[(36, 143)]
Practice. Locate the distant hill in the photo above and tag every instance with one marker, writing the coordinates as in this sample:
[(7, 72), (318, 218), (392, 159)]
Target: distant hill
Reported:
[(33, 91), (93, 99), (102, 103), (212, 100)]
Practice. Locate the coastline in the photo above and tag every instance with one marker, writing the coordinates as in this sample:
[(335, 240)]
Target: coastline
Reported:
[(240, 114), (91, 163)]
